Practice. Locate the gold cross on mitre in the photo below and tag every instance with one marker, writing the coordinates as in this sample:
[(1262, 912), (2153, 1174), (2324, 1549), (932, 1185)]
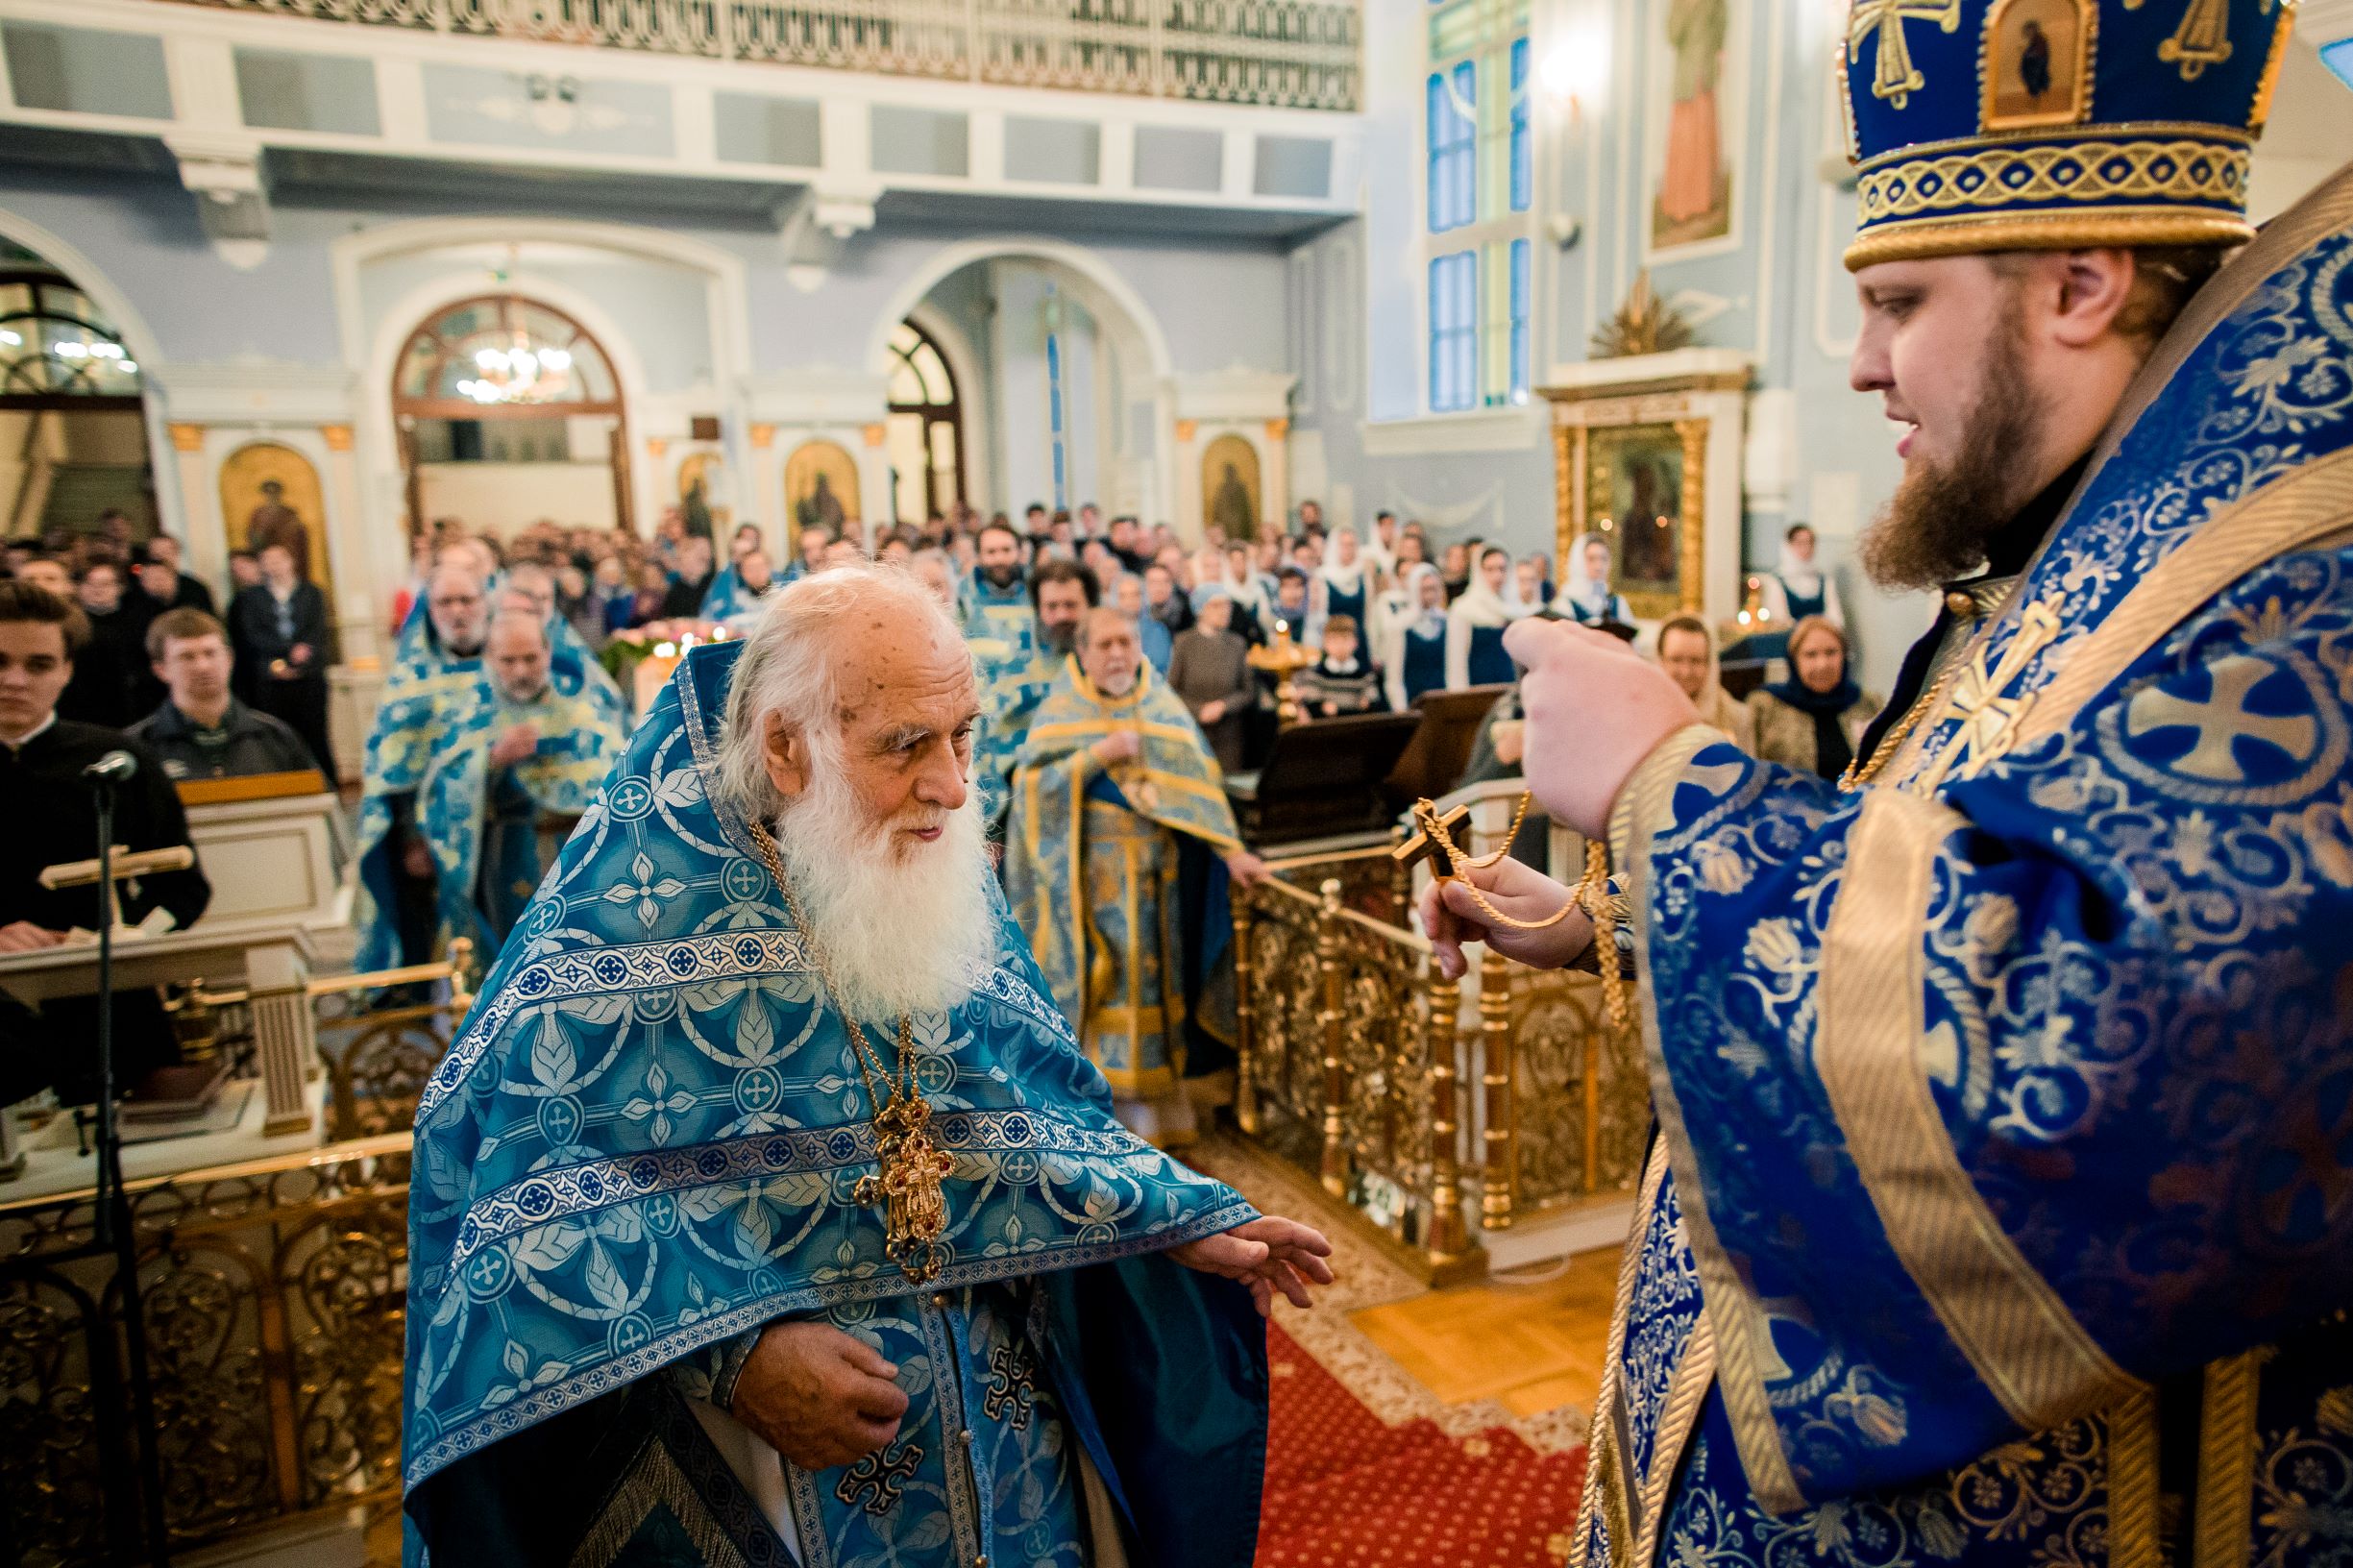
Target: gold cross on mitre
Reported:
[(1431, 834), (1896, 78), (1989, 718)]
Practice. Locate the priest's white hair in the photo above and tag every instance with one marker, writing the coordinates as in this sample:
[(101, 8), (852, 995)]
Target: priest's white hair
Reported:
[(901, 933)]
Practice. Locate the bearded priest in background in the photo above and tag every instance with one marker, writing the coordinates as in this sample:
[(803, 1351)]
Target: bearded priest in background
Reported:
[(659, 1313), (1119, 854)]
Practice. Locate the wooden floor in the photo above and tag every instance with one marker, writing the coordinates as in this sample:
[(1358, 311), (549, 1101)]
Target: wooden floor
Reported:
[(1530, 1347)]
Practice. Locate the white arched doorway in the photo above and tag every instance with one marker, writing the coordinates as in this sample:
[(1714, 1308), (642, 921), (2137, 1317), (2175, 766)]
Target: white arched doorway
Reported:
[(392, 276), (1070, 393)]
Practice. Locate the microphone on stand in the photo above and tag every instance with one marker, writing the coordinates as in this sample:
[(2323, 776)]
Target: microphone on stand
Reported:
[(111, 769)]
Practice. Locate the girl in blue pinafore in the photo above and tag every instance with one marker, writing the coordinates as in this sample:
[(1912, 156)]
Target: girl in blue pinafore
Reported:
[(1414, 640), (1475, 625), (1338, 586)]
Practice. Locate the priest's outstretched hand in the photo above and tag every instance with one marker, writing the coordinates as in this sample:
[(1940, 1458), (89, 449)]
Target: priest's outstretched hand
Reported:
[(1268, 1254), (1595, 710)]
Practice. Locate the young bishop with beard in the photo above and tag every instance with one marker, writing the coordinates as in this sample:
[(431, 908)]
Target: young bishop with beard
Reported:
[(1999, 1209), (766, 1209)]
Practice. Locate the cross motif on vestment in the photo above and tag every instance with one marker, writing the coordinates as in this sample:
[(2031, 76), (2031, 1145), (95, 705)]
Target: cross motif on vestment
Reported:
[(874, 1483), (1896, 78), (1011, 1383), (2222, 720), (1989, 716)]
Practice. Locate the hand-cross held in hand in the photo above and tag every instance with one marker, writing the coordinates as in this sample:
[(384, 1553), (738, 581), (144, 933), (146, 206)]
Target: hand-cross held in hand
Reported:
[(1430, 847)]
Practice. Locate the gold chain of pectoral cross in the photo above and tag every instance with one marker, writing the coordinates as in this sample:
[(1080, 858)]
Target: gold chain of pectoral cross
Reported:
[(910, 1168), (1977, 691)]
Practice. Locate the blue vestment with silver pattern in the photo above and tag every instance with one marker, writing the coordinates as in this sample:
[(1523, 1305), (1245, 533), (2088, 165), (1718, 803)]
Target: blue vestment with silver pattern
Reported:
[(643, 1145), (2001, 1209)]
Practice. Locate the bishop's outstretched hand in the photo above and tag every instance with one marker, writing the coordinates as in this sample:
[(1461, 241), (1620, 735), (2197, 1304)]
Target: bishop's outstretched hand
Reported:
[(1268, 1254)]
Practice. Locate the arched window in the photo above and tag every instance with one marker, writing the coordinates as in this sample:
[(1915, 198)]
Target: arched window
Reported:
[(56, 348), (927, 427), (508, 381), (504, 352)]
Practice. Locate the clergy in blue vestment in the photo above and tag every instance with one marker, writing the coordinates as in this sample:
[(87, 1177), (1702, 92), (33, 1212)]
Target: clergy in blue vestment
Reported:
[(449, 814), (2000, 1210), (1119, 851), (571, 663), (738, 594), (765, 1210), (996, 599), (436, 667), (1015, 677)]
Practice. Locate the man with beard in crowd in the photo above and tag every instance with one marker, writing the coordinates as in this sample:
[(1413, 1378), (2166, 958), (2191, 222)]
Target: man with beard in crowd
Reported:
[(1014, 683), (1117, 859), (434, 686)]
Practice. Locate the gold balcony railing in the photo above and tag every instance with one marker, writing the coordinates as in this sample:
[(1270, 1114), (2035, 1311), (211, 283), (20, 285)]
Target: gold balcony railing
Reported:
[(1434, 1120), (273, 1293), (1291, 54)]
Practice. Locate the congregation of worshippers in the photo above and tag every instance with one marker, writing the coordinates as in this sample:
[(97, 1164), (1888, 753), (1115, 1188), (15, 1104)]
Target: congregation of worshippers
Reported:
[(521, 662)]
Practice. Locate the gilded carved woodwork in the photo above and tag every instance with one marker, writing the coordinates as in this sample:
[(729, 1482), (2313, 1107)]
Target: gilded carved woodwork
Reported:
[(1366, 1070), (274, 1306)]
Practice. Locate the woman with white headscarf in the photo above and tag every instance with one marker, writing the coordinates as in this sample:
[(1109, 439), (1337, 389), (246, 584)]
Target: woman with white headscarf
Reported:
[(1412, 636), (1338, 586), (1526, 595), (1586, 597), (1475, 625), (1799, 587)]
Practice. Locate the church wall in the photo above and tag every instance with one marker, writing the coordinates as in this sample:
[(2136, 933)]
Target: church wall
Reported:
[(1774, 287), (701, 316)]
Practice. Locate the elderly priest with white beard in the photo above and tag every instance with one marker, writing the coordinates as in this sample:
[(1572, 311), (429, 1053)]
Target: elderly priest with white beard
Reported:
[(765, 1212)]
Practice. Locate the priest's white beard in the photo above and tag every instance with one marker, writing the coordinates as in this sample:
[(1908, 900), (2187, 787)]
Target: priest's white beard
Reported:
[(901, 931)]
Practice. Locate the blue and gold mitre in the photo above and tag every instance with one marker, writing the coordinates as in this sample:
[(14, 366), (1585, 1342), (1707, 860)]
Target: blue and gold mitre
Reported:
[(1995, 124)]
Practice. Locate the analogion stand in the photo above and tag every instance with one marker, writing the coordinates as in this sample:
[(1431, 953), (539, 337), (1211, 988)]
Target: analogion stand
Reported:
[(272, 963)]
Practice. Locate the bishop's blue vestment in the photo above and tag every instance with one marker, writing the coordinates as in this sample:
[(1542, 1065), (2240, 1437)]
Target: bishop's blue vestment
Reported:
[(2002, 1208), (644, 1146)]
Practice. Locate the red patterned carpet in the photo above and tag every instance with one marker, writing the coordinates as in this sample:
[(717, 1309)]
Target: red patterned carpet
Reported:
[(1344, 1489)]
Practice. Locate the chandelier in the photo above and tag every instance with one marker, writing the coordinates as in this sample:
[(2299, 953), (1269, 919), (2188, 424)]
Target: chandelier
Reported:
[(519, 373)]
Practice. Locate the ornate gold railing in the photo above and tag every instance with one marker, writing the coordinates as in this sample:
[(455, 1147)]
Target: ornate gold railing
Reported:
[(1361, 1064), (274, 1309), (1292, 54), (272, 1289)]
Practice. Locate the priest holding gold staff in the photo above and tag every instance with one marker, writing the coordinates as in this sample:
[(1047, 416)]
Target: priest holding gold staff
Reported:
[(1119, 851), (1999, 1213), (765, 1210)]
